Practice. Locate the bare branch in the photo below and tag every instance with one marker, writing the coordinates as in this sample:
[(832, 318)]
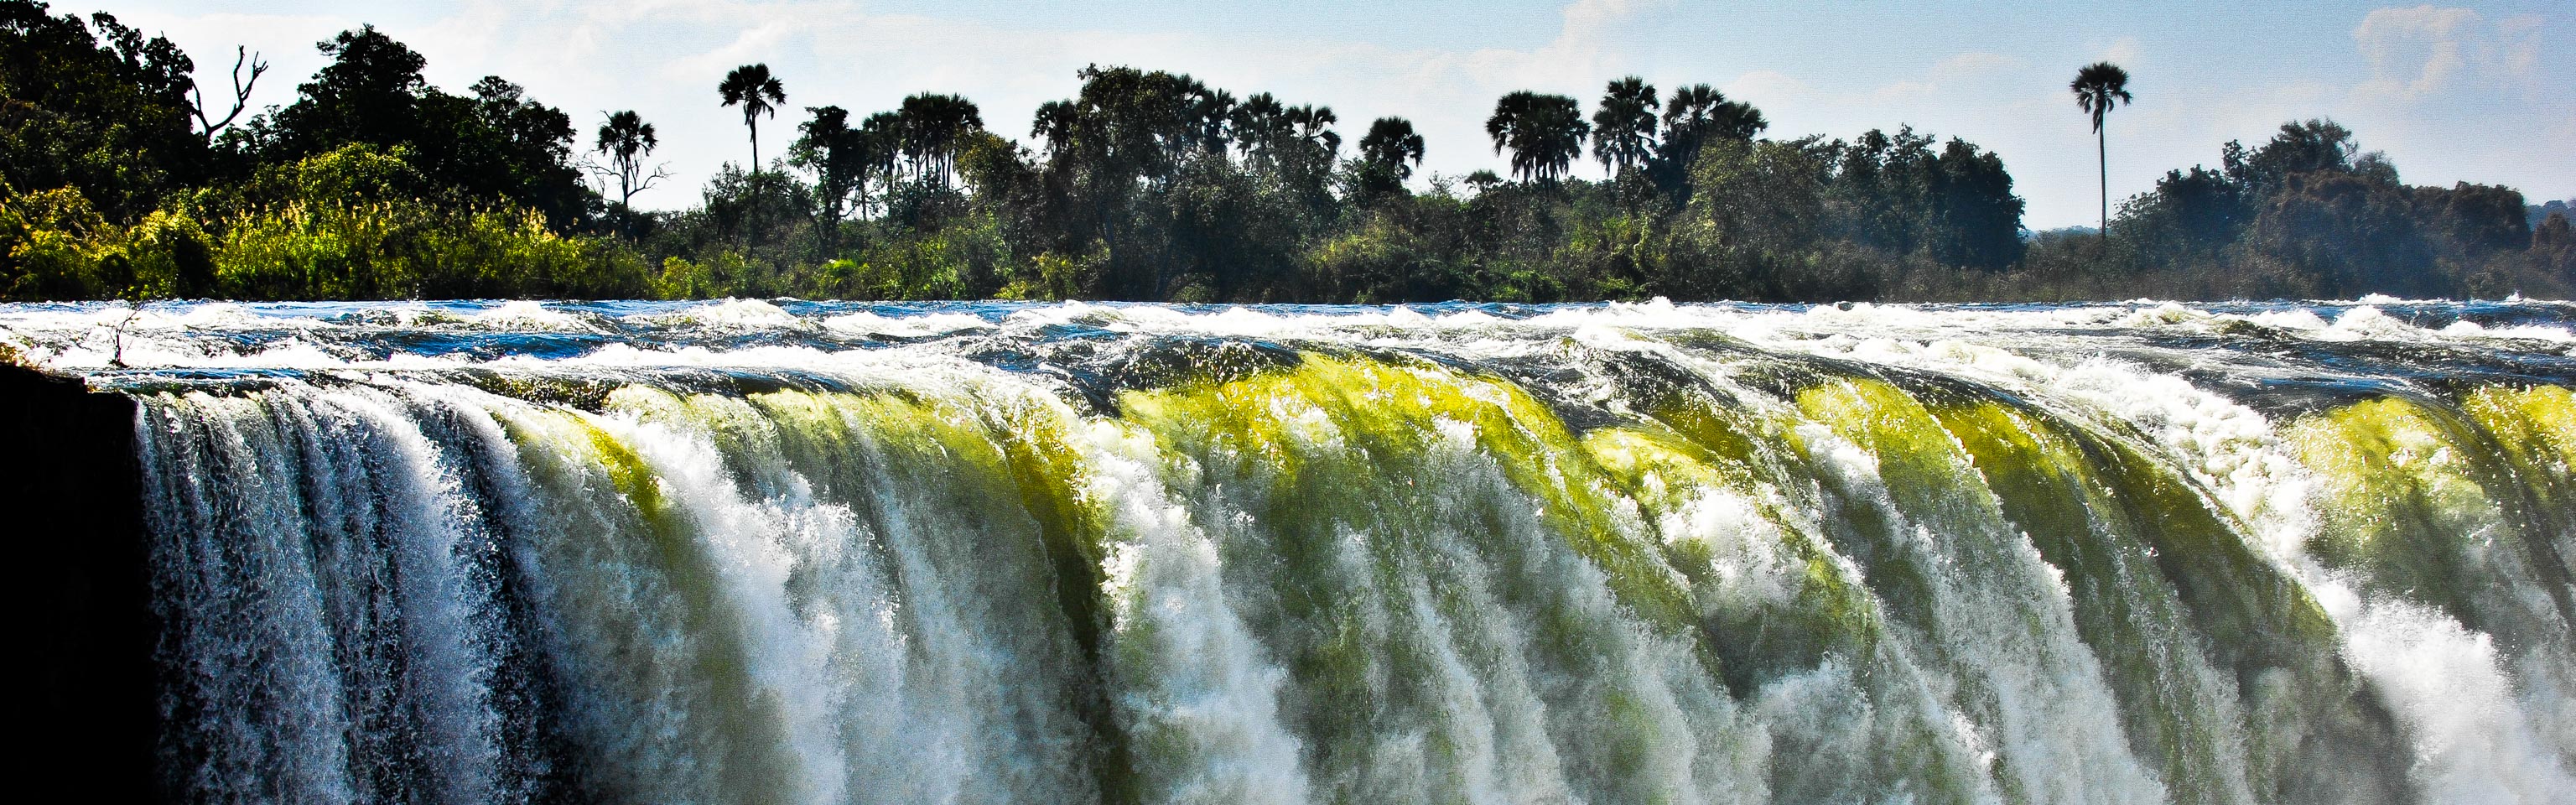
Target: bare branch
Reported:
[(241, 92), (623, 178), (603, 172), (133, 308), (660, 172)]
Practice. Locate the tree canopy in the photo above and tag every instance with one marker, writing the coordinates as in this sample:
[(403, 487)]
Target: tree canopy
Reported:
[(1142, 184), (1543, 133), (751, 88)]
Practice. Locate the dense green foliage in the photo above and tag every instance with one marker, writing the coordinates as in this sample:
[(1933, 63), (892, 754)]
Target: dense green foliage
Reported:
[(1145, 185), (2309, 214)]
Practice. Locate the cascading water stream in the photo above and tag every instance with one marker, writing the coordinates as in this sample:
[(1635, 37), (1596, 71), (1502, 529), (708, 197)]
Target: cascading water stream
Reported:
[(800, 552)]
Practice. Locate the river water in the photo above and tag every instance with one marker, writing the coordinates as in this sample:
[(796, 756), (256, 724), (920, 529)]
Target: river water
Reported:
[(795, 552)]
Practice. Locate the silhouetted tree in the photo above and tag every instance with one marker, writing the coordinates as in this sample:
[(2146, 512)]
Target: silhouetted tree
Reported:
[(1260, 124), (883, 133), (2098, 87), (933, 128), (758, 93), (1623, 128), (1130, 173), (369, 93), (495, 143), (2339, 234), (242, 57), (1212, 113), (1692, 117), (95, 107), (1544, 133), (841, 159), (2553, 243), (2553, 233), (1388, 154), (2475, 219), (627, 140), (509, 145), (2187, 220), (1306, 155), (1312, 126), (2304, 146), (1976, 218)]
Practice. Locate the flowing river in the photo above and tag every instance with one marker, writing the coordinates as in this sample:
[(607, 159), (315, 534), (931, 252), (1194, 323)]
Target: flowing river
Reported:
[(794, 552)]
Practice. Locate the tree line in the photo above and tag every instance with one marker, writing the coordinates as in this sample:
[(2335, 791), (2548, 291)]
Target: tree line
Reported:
[(122, 180)]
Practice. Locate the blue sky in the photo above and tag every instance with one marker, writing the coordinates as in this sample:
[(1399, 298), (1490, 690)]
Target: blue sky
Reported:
[(2481, 92)]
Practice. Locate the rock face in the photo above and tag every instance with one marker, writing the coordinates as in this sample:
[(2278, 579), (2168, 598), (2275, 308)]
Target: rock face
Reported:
[(81, 586)]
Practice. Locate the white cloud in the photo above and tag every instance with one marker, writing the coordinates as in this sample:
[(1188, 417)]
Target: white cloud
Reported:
[(2123, 51), (2415, 53)]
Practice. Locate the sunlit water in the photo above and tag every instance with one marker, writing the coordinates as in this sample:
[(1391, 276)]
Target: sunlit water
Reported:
[(792, 552)]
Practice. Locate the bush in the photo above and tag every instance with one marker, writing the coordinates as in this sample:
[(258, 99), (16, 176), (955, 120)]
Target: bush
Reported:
[(339, 227), (964, 260), (54, 245), (51, 246)]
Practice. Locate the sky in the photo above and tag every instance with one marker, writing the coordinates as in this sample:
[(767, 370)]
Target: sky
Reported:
[(2477, 92)]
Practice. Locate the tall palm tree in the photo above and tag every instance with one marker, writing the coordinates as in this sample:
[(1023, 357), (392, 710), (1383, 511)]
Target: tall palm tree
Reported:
[(758, 93), (1698, 112), (1544, 133), (2098, 87), (934, 127), (1312, 127), (1623, 129), (1210, 116), (1390, 143), (1055, 123), (626, 140), (1692, 107), (883, 134), (1260, 122)]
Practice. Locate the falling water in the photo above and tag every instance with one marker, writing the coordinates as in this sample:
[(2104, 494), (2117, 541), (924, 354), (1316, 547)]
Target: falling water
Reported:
[(790, 552)]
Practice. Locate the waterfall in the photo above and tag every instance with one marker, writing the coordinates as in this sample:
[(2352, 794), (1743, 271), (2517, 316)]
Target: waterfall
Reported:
[(790, 552)]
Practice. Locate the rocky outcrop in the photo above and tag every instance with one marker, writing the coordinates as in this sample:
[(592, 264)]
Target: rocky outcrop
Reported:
[(79, 582)]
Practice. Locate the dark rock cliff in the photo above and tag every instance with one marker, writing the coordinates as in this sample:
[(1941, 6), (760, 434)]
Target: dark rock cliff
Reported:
[(79, 587)]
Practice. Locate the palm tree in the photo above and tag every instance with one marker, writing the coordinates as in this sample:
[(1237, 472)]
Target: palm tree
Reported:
[(1312, 127), (1055, 123), (1623, 129), (882, 134), (2098, 87), (1260, 122), (1210, 117), (758, 93), (1698, 112), (1390, 143), (1544, 133), (626, 140), (1692, 107), (933, 127), (840, 158)]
